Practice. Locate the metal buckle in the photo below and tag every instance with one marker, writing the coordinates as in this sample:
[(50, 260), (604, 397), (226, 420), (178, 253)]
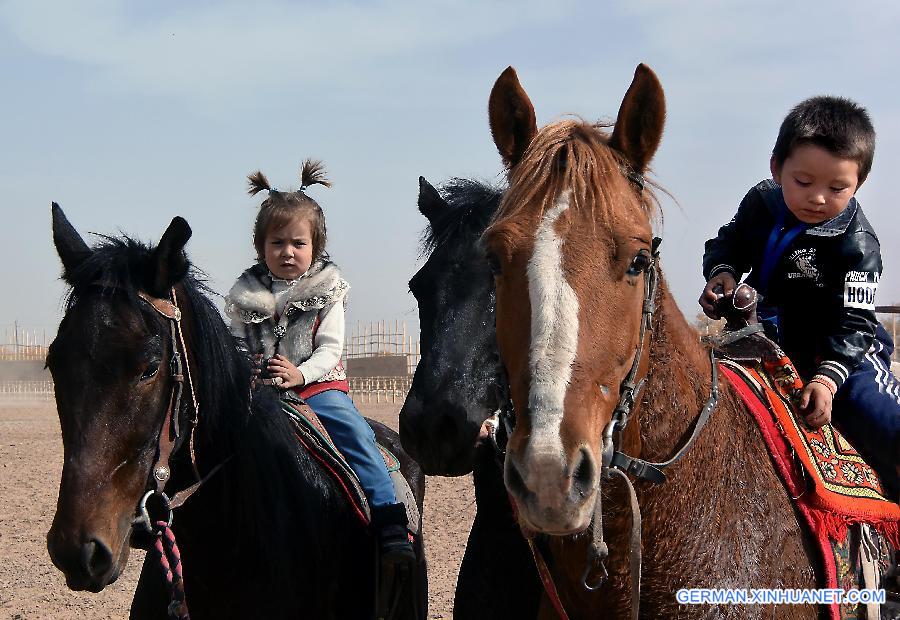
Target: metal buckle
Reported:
[(597, 584), (143, 519)]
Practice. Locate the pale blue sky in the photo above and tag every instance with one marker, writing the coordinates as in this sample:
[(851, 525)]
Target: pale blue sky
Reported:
[(130, 113)]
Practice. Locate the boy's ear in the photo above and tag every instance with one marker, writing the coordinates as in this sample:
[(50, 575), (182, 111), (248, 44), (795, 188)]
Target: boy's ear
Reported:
[(776, 171)]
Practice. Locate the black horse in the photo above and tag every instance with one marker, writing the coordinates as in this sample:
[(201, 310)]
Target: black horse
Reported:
[(458, 384), (269, 534)]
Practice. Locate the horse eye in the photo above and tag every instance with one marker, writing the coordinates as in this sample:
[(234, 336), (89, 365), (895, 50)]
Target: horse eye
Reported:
[(151, 370), (638, 264)]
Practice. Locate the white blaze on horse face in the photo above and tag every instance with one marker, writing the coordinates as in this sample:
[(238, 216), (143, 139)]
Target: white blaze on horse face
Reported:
[(554, 334)]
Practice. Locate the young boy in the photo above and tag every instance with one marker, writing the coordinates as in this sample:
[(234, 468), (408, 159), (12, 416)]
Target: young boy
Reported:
[(816, 262)]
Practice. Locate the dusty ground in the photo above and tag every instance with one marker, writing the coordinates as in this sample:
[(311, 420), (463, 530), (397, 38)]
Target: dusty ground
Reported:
[(32, 588)]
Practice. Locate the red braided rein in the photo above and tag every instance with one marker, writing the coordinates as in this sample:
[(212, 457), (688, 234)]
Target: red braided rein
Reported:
[(170, 562)]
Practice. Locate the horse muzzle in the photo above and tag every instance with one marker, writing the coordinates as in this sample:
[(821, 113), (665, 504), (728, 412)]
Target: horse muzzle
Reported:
[(86, 559), (441, 439), (553, 495)]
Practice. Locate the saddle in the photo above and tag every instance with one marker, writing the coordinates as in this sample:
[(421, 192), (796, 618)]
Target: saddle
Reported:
[(855, 526), (315, 438)]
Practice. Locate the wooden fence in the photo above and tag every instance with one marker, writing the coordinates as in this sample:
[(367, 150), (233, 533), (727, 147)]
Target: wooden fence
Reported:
[(891, 321), (383, 338), (18, 391), (368, 340), (365, 390), (23, 345)]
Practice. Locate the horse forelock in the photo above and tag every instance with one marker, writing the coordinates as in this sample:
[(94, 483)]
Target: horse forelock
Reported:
[(573, 155)]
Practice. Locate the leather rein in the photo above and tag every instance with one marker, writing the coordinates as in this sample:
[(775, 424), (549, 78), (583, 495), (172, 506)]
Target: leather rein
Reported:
[(615, 462)]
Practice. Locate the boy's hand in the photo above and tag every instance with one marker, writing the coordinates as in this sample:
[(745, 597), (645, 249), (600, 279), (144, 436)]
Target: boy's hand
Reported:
[(281, 367), (723, 283), (815, 404)]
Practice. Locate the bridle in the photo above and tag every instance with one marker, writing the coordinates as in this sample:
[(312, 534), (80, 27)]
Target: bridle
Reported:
[(171, 436), (615, 462), (154, 512)]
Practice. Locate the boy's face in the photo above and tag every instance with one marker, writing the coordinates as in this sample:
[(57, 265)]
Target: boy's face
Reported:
[(288, 250), (817, 184)]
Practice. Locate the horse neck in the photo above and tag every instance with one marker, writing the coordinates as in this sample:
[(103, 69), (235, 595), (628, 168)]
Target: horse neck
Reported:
[(678, 378)]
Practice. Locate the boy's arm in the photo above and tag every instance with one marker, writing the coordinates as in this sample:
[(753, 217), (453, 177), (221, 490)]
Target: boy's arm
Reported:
[(845, 348), (727, 250), (328, 343)]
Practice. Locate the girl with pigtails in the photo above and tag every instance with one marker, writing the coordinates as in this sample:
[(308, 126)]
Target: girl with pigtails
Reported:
[(289, 310)]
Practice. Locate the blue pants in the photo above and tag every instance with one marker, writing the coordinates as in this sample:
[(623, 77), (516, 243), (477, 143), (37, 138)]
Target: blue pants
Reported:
[(356, 440), (867, 411)]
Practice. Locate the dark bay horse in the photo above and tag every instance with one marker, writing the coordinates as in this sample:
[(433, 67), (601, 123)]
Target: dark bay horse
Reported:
[(458, 383), (269, 534), (573, 245)]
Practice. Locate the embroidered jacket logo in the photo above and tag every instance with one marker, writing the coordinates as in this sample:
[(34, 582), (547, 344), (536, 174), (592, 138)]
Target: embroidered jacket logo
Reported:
[(804, 260)]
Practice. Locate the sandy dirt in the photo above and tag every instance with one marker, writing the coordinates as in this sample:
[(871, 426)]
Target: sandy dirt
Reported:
[(32, 588)]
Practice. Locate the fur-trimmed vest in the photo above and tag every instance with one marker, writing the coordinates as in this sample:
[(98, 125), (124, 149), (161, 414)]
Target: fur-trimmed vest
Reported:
[(290, 330)]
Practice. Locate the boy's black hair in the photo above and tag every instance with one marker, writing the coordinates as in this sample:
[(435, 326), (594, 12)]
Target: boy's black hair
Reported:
[(838, 125)]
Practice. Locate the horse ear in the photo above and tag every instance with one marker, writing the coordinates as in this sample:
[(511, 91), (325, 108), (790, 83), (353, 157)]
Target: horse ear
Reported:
[(642, 115), (168, 262), (70, 246), (431, 205), (511, 117)]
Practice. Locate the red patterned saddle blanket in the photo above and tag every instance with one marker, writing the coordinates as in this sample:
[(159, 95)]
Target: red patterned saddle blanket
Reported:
[(838, 494)]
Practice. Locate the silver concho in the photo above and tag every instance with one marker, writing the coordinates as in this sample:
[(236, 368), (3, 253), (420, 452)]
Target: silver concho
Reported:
[(161, 473)]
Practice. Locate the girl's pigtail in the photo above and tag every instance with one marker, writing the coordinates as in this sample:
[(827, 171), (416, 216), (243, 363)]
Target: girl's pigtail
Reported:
[(258, 183), (313, 173)]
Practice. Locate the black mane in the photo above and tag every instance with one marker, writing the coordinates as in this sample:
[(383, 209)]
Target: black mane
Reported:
[(274, 488), (472, 205)]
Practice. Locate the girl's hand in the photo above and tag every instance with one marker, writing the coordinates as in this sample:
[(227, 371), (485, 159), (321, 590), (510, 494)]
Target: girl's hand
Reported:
[(815, 404), (722, 283), (281, 367)]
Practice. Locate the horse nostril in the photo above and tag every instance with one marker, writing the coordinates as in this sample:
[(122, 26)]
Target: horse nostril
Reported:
[(514, 481), (96, 558), (583, 473)]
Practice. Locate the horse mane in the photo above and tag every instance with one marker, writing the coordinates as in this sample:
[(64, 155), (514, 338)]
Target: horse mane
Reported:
[(471, 204), (265, 495), (573, 154)]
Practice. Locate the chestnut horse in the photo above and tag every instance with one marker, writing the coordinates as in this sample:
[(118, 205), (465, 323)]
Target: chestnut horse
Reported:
[(572, 245), (269, 534)]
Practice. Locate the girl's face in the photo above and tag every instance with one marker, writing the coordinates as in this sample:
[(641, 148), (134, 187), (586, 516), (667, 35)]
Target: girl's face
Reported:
[(288, 250)]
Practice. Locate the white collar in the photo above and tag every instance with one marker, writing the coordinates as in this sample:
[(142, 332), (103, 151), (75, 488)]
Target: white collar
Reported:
[(289, 283)]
